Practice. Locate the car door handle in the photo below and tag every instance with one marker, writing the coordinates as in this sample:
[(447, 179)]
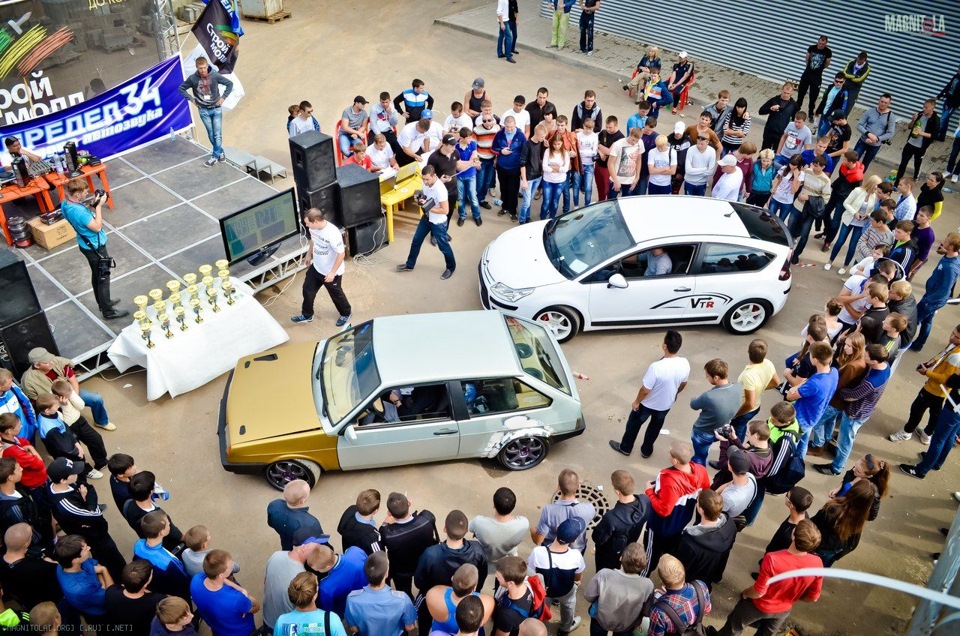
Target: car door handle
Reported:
[(446, 431), (682, 289)]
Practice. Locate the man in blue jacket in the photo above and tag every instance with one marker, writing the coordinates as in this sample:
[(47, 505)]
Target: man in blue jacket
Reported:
[(508, 145), (13, 400), (835, 97), (939, 288)]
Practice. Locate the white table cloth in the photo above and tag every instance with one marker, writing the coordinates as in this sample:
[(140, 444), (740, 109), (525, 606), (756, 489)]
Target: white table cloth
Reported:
[(194, 357)]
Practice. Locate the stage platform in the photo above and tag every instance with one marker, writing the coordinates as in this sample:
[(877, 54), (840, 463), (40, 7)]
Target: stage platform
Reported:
[(164, 224)]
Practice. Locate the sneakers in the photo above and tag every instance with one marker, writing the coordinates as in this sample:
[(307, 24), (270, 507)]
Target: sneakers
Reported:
[(209, 163), (900, 436), (447, 273), (109, 426), (842, 271), (222, 158), (924, 438), (573, 627), (956, 495), (908, 469), (95, 474), (402, 267), (616, 446), (828, 266), (301, 318), (954, 178), (342, 320), (824, 469)]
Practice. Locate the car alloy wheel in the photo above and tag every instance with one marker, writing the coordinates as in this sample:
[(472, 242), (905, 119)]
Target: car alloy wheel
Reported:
[(279, 474), (523, 453), (563, 321), (747, 316)]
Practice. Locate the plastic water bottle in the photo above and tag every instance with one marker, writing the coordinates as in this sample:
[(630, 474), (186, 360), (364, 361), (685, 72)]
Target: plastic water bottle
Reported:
[(173, 134), (159, 493), (58, 163), (497, 202)]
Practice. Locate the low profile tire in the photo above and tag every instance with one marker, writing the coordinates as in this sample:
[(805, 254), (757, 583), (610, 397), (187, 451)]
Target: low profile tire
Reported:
[(279, 474), (747, 316), (523, 453), (563, 321)]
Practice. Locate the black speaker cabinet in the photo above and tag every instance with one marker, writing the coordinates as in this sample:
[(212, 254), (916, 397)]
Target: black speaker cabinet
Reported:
[(314, 165), (18, 339), (367, 238), (18, 300), (324, 199), (359, 195)]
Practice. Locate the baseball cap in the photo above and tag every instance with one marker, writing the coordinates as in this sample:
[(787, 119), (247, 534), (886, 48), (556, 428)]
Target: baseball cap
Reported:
[(359, 100), (678, 127), (449, 139), (728, 160), (519, 99), (739, 464), (682, 55), (61, 468), (426, 114), (478, 83), (299, 538), (837, 114), (39, 355), (569, 530)]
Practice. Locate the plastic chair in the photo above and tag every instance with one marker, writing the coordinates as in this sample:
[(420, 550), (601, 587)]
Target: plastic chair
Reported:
[(336, 143), (685, 93)]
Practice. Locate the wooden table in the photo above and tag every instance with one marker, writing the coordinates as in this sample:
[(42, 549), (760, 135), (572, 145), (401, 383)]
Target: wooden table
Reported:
[(391, 200), (37, 187), (58, 180)]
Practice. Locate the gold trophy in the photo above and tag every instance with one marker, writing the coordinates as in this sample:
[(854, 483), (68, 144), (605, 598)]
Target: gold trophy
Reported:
[(174, 287), (205, 270), (164, 319), (228, 291), (141, 317), (190, 279), (180, 311), (207, 281), (156, 295), (223, 275), (145, 334), (160, 306), (212, 297), (141, 301), (221, 265), (176, 300), (194, 292), (195, 304)]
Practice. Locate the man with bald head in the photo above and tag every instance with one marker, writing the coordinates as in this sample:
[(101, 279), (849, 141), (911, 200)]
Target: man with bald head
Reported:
[(30, 579), (290, 516), (533, 627)]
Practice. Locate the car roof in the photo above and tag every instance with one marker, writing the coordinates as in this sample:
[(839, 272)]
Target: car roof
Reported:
[(417, 348), (651, 217)]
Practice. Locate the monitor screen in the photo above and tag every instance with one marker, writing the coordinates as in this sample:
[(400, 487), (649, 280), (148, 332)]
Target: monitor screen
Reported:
[(262, 224)]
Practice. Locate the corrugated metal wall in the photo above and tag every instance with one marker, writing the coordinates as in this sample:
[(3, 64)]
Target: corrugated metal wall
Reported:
[(770, 38)]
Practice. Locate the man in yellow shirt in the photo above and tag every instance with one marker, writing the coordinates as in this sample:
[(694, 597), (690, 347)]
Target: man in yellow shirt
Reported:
[(757, 377)]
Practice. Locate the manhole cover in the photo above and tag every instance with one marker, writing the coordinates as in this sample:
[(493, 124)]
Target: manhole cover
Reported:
[(591, 494)]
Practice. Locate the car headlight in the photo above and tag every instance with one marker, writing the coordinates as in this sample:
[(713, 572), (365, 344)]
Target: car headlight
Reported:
[(509, 293)]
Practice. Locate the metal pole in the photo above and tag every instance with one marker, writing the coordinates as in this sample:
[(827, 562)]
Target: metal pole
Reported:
[(943, 579)]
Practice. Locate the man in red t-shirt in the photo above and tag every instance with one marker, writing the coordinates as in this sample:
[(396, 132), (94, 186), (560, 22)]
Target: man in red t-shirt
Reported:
[(767, 607)]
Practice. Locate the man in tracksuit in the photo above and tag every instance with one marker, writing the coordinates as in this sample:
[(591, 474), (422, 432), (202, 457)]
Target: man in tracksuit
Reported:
[(939, 288)]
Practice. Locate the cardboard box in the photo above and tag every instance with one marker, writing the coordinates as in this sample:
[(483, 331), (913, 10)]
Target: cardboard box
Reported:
[(50, 236)]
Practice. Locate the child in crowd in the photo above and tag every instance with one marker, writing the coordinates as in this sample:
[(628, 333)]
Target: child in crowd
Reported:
[(877, 233), (639, 118), (173, 618), (924, 237), (58, 438), (122, 468), (587, 142), (797, 501), (197, 540), (70, 403), (292, 112), (865, 266)]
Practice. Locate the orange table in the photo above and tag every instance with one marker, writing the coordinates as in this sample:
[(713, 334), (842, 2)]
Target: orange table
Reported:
[(36, 187), (59, 180)]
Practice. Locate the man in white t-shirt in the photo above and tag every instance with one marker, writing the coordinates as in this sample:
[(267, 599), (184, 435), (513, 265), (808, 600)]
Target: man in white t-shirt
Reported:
[(382, 159), (418, 139), (662, 383), (730, 181), (520, 115), (304, 122), (457, 119), (662, 161), (324, 267), (433, 221), (624, 164)]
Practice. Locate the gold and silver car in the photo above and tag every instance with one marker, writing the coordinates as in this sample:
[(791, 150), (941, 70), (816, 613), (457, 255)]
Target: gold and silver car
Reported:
[(400, 390)]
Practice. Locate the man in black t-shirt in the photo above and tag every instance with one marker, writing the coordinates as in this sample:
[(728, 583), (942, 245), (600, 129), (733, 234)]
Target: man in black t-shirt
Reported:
[(405, 535), (27, 578), (839, 135), (818, 58), (446, 161), (514, 598), (540, 104), (607, 137), (130, 606)]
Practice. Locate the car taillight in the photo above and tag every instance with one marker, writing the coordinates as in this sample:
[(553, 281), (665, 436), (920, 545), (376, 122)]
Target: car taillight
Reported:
[(785, 270)]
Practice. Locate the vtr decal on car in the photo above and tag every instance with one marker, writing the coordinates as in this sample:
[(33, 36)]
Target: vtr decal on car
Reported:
[(696, 301)]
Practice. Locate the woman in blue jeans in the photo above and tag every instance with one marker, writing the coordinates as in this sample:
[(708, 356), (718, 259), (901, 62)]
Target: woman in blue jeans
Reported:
[(856, 215), (556, 165), (785, 187)]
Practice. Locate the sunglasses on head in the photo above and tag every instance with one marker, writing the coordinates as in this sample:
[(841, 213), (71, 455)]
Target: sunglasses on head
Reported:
[(702, 138)]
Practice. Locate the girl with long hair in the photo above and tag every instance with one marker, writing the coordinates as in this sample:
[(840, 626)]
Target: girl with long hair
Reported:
[(856, 215), (872, 469), (556, 164), (736, 127), (841, 521), (931, 193)]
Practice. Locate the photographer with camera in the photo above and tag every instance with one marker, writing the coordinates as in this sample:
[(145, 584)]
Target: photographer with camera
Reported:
[(876, 127), (83, 211), (434, 205), (717, 407)]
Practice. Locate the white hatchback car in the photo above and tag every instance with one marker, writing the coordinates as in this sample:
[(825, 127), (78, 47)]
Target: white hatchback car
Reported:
[(718, 262)]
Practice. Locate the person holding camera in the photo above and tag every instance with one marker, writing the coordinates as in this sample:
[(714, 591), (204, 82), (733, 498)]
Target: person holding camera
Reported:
[(434, 205), (717, 408), (83, 211)]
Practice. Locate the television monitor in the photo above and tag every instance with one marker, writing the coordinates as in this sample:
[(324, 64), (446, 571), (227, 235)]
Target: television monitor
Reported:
[(255, 228)]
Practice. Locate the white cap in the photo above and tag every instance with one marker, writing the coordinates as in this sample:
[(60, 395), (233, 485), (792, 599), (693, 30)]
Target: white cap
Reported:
[(678, 128), (728, 160), (683, 54)]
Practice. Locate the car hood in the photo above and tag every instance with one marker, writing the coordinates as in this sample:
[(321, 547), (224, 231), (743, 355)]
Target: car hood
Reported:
[(272, 394), (517, 258)]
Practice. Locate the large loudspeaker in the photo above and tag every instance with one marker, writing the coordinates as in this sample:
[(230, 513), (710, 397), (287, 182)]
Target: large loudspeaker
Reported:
[(314, 165), (324, 199), (367, 238), (18, 300), (18, 339), (359, 195)]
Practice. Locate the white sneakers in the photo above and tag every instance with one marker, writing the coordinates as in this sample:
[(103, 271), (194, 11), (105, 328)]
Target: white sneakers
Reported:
[(900, 436), (954, 177), (842, 271), (924, 438), (95, 474), (828, 266)]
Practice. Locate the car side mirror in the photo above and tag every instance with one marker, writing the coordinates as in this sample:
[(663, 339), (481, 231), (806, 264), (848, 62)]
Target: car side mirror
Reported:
[(618, 281), (351, 434)]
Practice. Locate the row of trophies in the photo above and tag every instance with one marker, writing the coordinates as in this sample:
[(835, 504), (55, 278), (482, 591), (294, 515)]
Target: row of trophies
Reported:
[(176, 300)]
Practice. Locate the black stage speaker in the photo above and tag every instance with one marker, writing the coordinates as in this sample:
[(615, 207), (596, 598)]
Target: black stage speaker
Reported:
[(359, 195), (18, 339), (314, 166), (367, 238), (18, 300), (324, 199)]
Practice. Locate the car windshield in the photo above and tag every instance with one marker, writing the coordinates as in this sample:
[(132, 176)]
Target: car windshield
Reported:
[(581, 240), (538, 356), (347, 373)]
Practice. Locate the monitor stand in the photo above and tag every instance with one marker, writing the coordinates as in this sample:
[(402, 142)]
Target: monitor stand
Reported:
[(263, 255)]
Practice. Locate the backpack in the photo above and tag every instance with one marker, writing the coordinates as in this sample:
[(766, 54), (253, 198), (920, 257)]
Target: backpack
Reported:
[(695, 628), (788, 467), (555, 588), (539, 609)]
